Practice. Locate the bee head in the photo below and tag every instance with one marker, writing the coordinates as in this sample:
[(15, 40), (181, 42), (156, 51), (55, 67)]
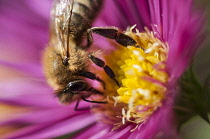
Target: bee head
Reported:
[(72, 91)]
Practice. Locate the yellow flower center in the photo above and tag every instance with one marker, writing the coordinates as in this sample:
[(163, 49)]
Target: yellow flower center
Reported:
[(143, 77)]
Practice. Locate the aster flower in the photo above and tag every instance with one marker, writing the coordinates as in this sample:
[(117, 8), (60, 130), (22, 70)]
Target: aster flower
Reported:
[(168, 34)]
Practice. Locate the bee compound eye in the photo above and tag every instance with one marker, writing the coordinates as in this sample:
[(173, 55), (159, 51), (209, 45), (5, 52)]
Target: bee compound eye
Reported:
[(78, 85)]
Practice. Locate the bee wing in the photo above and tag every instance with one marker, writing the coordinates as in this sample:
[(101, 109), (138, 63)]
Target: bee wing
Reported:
[(59, 24)]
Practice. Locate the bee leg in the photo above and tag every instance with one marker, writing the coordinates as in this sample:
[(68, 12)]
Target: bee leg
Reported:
[(80, 109), (106, 68), (87, 108), (93, 101), (84, 98), (92, 76), (111, 33)]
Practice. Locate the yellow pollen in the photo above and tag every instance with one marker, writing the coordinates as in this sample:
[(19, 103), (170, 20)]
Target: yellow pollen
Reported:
[(143, 77)]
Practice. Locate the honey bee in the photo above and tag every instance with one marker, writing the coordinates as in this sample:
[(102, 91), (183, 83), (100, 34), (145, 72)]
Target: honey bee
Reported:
[(65, 60)]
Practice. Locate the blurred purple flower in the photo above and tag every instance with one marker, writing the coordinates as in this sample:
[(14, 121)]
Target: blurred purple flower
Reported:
[(24, 34)]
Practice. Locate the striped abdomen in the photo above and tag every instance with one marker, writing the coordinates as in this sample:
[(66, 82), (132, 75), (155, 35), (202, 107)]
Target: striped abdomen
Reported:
[(83, 14)]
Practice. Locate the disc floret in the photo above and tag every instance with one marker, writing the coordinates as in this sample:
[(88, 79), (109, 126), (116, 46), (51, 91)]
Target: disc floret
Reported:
[(143, 76)]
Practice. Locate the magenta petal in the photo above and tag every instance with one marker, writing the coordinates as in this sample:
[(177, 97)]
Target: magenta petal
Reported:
[(155, 8), (124, 13), (181, 28), (160, 125), (55, 129), (31, 69), (40, 7), (123, 132), (23, 34), (39, 96), (35, 115), (95, 131)]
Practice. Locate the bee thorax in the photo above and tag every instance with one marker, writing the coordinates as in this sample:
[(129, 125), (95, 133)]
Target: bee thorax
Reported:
[(77, 60)]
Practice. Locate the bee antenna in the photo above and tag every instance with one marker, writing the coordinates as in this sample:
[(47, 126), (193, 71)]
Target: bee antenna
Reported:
[(68, 35)]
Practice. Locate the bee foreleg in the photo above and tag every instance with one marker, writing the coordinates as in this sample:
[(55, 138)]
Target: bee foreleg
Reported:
[(80, 109), (92, 76), (106, 68), (92, 101), (76, 108), (86, 96), (111, 33)]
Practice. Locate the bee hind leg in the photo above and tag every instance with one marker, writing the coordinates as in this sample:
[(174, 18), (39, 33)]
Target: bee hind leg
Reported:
[(106, 68), (111, 33)]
